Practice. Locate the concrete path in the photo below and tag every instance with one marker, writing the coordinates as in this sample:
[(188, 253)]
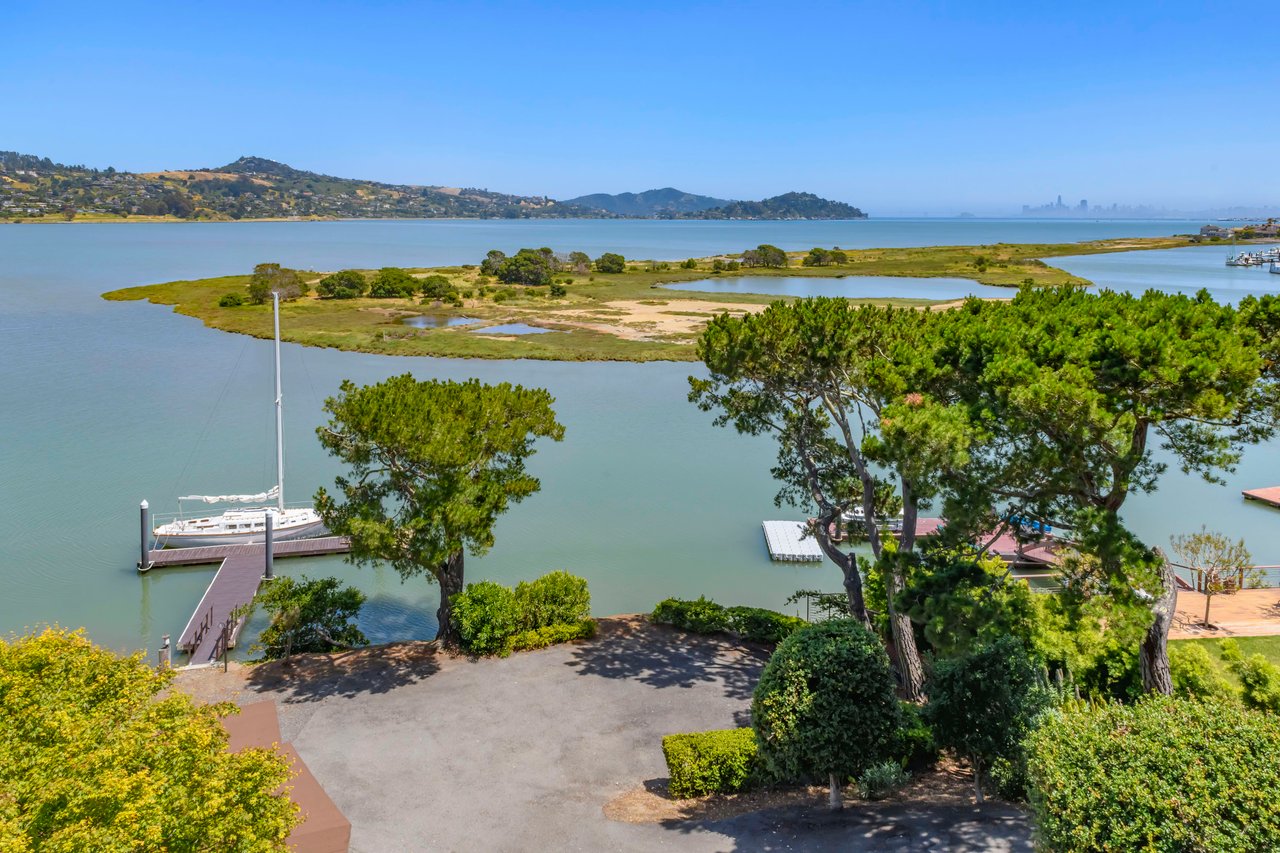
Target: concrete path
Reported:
[(523, 753)]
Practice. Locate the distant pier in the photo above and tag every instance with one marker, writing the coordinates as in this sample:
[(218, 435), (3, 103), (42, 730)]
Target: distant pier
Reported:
[(215, 624), (1270, 495)]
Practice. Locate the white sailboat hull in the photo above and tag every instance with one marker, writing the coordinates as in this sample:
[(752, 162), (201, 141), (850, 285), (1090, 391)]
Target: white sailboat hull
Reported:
[(239, 527)]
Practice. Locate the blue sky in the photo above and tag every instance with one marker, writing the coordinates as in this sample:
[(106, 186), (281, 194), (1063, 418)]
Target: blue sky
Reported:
[(896, 107)]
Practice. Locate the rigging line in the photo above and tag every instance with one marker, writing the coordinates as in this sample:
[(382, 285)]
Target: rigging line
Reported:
[(212, 411)]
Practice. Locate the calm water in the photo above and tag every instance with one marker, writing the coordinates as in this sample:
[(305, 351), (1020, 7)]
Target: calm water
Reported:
[(108, 403), (511, 329), (437, 321), (852, 287)]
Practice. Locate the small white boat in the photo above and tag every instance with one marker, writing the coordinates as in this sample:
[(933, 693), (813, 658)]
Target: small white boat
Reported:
[(1274, 269), (245, 526)]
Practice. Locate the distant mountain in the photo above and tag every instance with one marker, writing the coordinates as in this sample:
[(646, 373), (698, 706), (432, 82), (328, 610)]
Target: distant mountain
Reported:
[(249, 188), (785, 206), (649, 203), (258, 188)]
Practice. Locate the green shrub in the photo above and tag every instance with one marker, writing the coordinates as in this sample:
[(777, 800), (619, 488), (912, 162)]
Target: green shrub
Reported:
[(438, 288), (701, 617), (913, 745), (486, 615), (551, 635), (825, 707), (762, 626), (1194, 674), (1165, 774), (689, 264), (611, 262), (393, 283), (880, 780), (556, 598), (984, 704), (557, 290), (231, 300), (718, 762), (345, 284), (1259, 678)]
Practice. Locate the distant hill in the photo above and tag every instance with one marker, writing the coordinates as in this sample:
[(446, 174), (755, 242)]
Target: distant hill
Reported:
[(249, 188), (258, 188), (649, 203), (785, 206)]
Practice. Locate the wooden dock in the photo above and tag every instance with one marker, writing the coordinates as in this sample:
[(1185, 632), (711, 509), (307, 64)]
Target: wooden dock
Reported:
[(1269, 495), (212, 627), (787, 542)]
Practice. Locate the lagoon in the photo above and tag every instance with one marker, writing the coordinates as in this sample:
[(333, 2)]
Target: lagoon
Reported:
[(850, 287), (107, 403)]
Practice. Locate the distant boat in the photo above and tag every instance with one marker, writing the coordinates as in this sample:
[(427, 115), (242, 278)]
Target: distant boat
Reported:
[(1274, 269), (245, 526)]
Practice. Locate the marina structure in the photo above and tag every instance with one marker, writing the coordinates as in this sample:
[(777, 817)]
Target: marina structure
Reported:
[(790, 542)]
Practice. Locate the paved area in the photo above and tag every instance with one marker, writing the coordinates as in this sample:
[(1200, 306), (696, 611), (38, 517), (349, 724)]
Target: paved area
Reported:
[(439, 753), (1247, 613)]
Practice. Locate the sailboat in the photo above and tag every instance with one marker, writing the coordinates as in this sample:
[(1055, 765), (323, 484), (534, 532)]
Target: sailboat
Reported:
[(243, 526)]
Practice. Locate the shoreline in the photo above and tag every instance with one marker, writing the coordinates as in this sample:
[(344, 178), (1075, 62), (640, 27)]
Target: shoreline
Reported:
[(628, 316)]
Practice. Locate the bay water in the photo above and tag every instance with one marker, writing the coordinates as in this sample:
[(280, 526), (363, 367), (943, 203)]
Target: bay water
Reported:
[(107, 403)]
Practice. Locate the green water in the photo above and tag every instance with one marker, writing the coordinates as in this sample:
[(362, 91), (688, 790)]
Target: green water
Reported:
[(108, 403)]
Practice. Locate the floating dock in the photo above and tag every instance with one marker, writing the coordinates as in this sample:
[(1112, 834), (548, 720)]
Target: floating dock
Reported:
[(212, 627), (789, 542), (1269, 495)]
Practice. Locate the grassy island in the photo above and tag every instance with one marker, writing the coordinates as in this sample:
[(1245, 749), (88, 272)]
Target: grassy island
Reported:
[(597, 316)]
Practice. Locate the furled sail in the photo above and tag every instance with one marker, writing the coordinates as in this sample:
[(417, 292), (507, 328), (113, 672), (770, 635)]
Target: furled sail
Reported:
[(269, 494)]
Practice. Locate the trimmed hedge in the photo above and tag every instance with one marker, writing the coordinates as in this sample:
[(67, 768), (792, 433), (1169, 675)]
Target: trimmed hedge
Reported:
[(704, 616), (550, 635), (717, 762), (1164, 774)]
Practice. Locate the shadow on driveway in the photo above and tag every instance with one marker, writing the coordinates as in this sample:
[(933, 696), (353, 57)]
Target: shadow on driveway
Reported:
[(311, 678), (661, 656)]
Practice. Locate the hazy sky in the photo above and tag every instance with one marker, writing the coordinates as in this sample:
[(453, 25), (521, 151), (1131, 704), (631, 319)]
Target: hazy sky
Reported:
[(896, 107)]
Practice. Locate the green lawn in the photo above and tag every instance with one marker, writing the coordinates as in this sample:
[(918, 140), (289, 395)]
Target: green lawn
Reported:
[(1268, 647)]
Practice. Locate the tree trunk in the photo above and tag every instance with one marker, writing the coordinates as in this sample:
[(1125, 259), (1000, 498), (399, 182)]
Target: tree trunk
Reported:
[(1208, 599), (904, 636), (449, 576), (834, 800), (1154, 654), (977, 780), (848, 564)]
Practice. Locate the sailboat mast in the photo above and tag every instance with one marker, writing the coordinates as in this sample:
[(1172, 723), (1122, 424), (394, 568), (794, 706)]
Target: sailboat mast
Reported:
[(275, 296)]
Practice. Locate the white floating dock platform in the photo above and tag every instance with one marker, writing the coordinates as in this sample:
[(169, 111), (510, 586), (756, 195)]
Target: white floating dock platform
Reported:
[(787, 542)]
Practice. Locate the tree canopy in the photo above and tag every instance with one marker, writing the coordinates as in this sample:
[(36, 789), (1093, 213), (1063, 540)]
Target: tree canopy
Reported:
[(530, 267), (92, 757), (345, 284), (432, 466), (764, 255), (611, 262), (273, 278), (393, 283)]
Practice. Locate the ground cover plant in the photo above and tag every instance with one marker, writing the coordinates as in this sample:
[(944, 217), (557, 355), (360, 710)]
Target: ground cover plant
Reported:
[(702, 616), (1163, 774), (97, 752)]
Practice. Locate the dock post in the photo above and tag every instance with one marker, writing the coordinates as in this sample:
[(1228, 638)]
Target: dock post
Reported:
[(164, 652), (269, 550), (144, 540)]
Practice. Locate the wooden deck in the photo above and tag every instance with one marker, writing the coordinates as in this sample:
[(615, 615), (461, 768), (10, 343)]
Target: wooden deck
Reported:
[(211, 628), (1269, 495)]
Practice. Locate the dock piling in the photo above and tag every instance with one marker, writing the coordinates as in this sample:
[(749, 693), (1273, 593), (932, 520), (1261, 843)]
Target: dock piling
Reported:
[(269, 550), (144, 542)]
